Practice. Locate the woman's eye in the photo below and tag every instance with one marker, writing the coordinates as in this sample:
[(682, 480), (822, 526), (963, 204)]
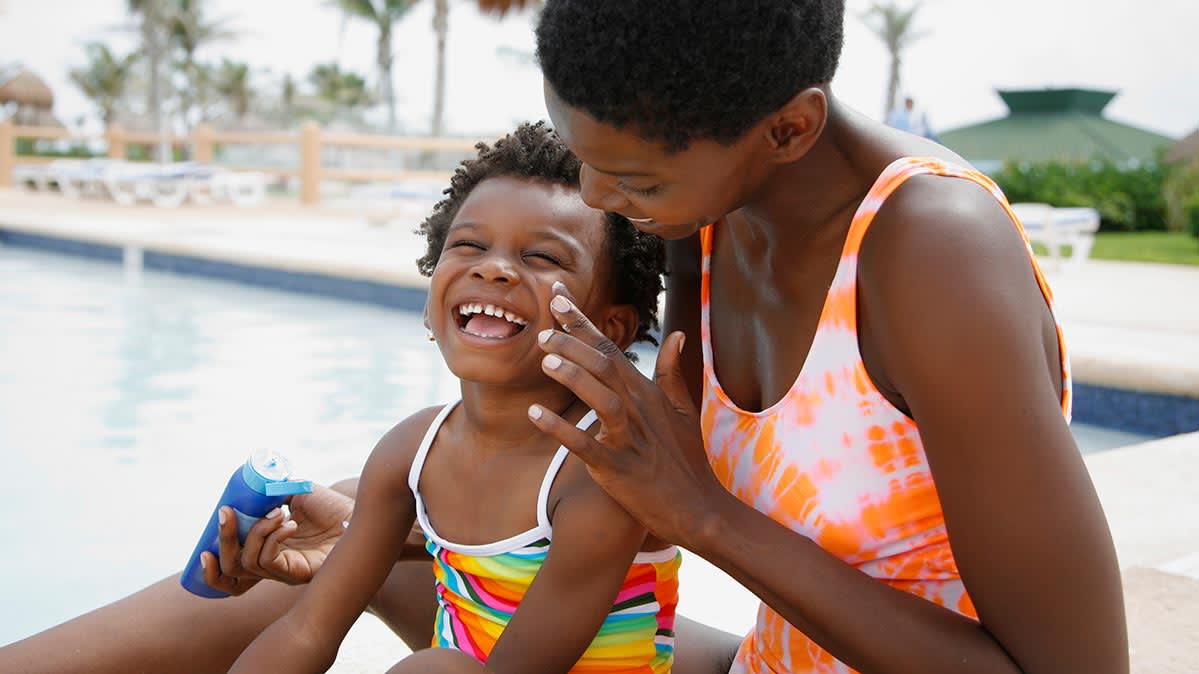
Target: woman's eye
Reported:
[(467, 243), (643, 191)]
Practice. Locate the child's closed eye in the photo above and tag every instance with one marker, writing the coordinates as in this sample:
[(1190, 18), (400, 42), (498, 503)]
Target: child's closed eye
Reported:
[(541, 255)]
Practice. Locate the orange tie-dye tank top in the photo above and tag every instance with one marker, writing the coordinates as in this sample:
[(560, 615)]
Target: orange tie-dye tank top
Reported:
[(834, 460)]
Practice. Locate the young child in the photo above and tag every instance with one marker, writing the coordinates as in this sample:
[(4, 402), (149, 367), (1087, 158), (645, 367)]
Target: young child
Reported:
[(532, 559)]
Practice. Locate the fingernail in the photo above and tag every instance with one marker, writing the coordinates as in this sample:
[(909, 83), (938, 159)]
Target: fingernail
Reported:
[(220, 516), (560, 304), (551, 362), (290, 524), (544, 336), (534, 412), (203, 561), (559, 287), (682, 341), (273, 514)]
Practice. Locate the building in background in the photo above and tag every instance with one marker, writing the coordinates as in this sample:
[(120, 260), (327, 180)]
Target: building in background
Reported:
[(1054, 124), (1185, 150)]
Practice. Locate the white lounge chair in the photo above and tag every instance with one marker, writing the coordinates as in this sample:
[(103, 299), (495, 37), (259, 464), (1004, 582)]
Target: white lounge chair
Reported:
[(36, 177), (169, 185), (1057, 228), (79, 177), (409, 199)]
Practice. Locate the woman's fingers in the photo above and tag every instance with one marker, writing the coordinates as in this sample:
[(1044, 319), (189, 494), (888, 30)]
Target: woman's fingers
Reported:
[(219, 581), (578, 441), (574, 322), (608, 404), (229, 545), (603, 367), (271, 557), (252, 554)]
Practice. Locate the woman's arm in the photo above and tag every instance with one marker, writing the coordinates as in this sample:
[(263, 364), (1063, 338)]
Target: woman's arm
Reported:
[(1024, 522), (306, 639), (682, 311), (594, 544)]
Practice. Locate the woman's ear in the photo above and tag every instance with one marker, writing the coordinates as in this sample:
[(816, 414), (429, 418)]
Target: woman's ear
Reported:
[(620, 324), (795, 127)]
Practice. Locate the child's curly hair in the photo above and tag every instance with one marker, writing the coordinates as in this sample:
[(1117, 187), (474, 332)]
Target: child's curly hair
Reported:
[(534, 152)]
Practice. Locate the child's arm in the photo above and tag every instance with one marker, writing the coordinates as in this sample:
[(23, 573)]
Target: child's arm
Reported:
[(593, 546), (306, 639)]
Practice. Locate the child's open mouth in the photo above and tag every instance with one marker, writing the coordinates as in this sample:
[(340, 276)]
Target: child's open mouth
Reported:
[(489, 321)]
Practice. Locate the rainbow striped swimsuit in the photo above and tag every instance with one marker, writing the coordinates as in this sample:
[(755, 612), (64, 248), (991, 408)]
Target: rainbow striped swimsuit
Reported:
[(479, 587)]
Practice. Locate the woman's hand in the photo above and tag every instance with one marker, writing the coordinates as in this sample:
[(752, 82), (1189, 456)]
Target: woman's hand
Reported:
[(649, 454), (289, 550)]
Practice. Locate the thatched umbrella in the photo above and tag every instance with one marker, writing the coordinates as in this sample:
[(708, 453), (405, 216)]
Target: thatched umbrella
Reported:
[(33, 98), (27, 89), (501, 7)]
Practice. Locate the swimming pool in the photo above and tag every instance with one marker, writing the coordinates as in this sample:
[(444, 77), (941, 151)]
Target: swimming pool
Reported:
[(125, 404)]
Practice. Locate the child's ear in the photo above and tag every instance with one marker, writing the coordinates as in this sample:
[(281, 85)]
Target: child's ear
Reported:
[(620, 324)]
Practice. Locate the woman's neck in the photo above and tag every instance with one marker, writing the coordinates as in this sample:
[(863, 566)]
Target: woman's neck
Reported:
[(802, 202)]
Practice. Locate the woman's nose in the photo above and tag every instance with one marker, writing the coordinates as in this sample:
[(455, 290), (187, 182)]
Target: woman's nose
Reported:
[(598, 192)]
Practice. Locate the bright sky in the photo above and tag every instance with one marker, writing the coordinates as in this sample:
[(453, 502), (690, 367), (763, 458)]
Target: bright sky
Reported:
[(1143, 49)]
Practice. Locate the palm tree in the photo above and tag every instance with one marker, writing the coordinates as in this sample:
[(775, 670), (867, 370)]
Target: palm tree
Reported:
[(893, 25), (383, 14), (104, 78), (441, 12), (152, 25), (342, 90), (233, 84), (441, 29), (190, 28), (287, 100)]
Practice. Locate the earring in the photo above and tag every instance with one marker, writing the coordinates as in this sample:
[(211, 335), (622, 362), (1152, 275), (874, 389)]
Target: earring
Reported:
[(431, 337)]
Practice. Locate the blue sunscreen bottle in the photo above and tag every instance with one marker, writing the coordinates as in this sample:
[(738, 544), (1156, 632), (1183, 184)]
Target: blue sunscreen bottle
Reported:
[(259, 486)]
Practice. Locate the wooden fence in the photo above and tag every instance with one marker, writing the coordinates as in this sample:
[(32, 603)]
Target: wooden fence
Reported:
[(204, 140)]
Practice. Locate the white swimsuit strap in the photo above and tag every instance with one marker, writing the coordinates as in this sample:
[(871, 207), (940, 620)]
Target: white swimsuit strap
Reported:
[(543, 496), (418, 461)]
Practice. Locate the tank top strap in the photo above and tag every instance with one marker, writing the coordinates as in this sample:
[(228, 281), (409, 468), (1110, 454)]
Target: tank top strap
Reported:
[(543, 495), (896, 174)]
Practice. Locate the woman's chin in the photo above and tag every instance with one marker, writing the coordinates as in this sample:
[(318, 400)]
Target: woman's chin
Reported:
[(664, 231)]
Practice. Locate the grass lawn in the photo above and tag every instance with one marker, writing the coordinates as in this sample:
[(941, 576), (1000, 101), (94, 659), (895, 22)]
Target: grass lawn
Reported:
[(1160, 247), (1164, 247)]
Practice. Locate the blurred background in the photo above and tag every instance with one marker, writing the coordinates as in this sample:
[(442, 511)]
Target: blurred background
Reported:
[(206, 247)]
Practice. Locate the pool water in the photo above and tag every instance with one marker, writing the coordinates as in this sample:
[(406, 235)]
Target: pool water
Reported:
[(126, 403), (124, 407)]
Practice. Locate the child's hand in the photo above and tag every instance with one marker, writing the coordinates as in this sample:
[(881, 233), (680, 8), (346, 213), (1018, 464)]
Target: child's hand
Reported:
[(290, 550)]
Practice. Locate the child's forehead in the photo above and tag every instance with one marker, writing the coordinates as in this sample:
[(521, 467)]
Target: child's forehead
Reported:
[(519, 205)]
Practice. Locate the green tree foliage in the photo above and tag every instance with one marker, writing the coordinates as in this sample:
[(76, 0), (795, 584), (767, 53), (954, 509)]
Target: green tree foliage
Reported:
[(233, 84), (382, 14), (1128, 198), (190, 28), (104, 78)]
